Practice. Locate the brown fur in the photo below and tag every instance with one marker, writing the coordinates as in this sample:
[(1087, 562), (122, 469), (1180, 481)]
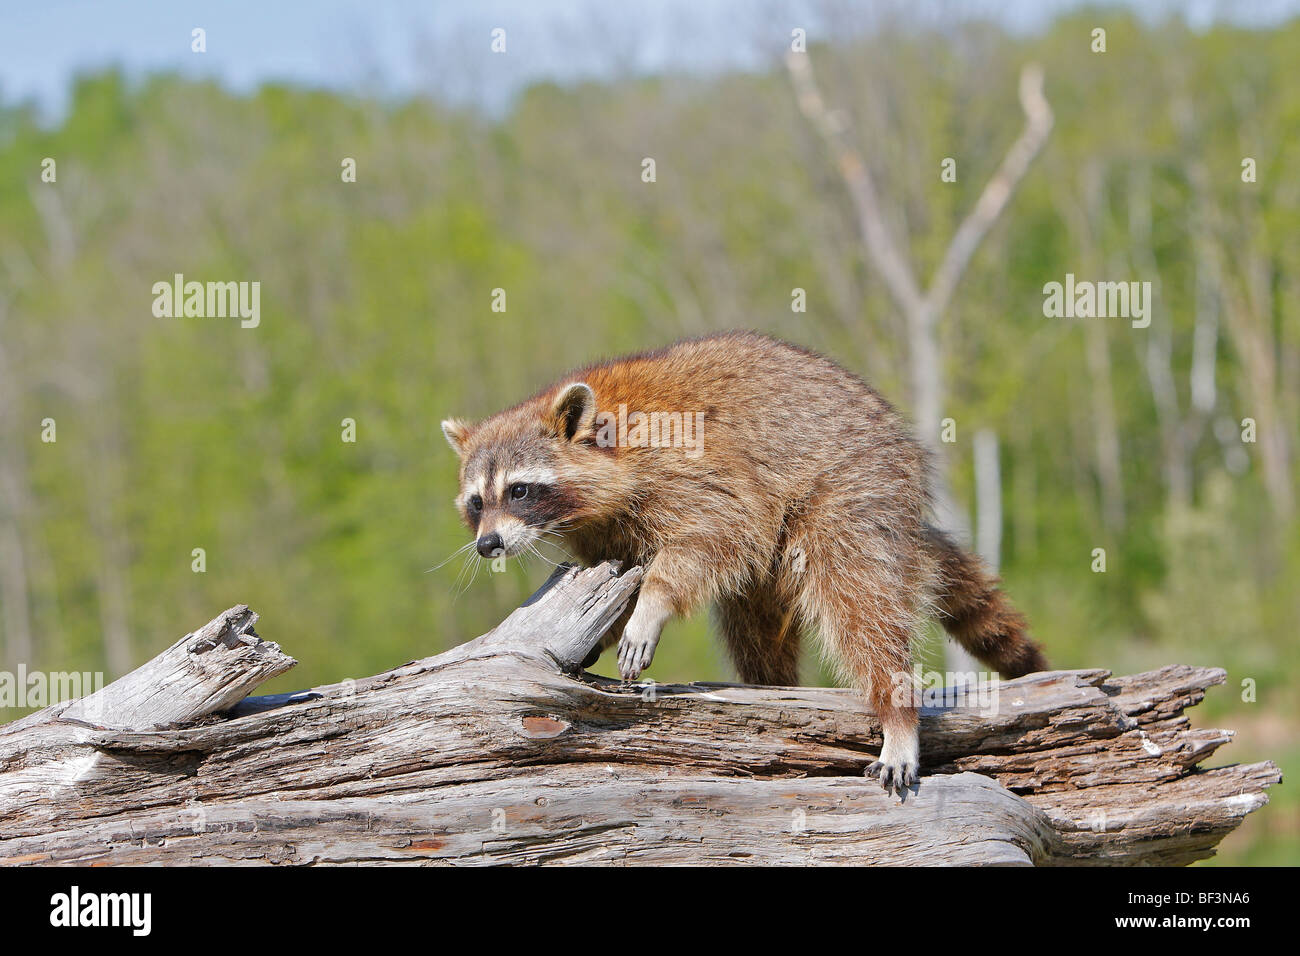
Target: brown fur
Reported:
[(808, 506)]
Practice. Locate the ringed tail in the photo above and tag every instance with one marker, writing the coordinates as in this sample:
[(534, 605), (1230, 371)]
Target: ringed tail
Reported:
[(978, 615)]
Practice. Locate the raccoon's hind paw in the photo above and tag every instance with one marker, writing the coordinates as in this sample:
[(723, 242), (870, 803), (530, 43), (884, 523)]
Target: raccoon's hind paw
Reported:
[(899, 762), (895, 778)]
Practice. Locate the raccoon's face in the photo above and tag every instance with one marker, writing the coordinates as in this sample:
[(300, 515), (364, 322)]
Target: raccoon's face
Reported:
[(509, 505), (520, 473)]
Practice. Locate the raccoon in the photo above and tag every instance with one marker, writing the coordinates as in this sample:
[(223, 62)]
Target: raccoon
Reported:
[(757, 476)]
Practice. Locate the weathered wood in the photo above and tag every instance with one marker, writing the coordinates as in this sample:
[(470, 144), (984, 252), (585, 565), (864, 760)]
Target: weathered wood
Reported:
[(496, 751), (205, 672)]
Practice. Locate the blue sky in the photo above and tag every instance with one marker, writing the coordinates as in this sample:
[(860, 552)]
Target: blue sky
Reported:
[(404, 46)]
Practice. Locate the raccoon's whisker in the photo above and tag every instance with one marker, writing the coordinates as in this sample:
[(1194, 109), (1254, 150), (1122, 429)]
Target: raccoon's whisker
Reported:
[(532, 549), (478, 565), (462, 582), (563, 551), (461, 550), (456, 589), (557, 534)]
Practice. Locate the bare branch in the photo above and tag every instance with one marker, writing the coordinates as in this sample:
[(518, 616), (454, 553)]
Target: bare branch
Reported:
[(1038, 123), (884, 251)]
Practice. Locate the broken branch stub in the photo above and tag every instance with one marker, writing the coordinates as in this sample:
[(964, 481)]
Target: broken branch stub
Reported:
[(205, 672)]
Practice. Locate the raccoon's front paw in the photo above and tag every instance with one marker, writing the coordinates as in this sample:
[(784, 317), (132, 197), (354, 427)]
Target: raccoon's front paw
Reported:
[(640, 637), (635, 652), (898, 766)]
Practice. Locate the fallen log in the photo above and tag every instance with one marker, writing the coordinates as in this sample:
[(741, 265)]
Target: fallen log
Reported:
[(502, 751)]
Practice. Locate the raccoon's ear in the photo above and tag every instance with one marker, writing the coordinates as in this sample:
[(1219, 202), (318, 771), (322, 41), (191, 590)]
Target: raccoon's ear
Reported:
[(574, 410), (457, 432)]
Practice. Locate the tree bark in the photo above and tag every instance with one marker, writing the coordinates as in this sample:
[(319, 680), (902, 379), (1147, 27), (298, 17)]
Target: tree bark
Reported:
[(503, 751)]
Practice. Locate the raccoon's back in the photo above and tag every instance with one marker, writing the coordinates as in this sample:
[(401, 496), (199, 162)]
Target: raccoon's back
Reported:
[(782, 409)]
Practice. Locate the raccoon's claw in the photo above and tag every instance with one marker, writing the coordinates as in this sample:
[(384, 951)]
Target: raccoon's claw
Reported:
[(895, 778), (634, 656)]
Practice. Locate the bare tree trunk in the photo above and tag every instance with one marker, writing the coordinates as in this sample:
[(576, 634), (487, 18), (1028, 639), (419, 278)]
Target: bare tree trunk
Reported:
[(1083, 218), (103, 489), (103, 481), (18, 644), (1105, 426), (1258, 341), (1249, 317), (988, 498), (1246, 297), (1178, 433), (1024, 498)]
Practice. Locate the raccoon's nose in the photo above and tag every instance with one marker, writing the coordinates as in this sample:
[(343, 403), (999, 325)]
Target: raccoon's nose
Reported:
[(490, 544)]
